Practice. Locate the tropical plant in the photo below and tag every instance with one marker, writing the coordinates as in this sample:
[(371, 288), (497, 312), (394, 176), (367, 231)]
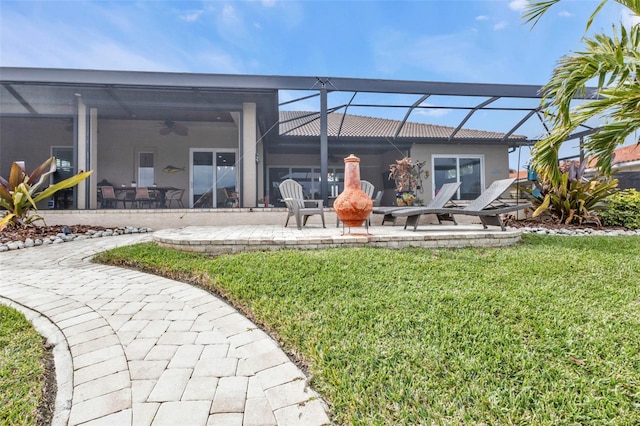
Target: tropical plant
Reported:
[(575, 199), (19, 195), (611, 61)]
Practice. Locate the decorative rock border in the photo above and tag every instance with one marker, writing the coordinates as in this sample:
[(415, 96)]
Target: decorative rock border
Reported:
[(580, 232), (66, 237)]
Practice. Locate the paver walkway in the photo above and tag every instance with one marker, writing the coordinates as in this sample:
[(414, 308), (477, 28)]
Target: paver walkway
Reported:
[(133, 348)]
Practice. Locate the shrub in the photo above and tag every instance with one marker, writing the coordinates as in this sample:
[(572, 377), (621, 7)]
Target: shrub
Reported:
[(623, 209)]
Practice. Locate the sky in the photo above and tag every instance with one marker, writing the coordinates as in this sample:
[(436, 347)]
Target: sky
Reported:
[(469, 41)]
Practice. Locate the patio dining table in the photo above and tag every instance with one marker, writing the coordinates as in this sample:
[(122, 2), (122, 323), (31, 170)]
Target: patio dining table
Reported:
[(130, 192)]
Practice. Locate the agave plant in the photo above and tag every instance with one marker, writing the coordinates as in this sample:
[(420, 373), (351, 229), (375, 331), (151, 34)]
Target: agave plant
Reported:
[(575, 199), (19, 195)]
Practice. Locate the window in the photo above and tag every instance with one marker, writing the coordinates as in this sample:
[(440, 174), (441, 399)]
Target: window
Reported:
[(146, 175), (468, 170)]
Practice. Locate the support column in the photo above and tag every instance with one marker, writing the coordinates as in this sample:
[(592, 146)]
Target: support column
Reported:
[(93, 156), (82, 150), (249, 189), (324, 146)]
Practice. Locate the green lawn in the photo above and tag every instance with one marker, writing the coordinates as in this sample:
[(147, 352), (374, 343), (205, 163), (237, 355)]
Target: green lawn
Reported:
[(544, 332), (21, 369)]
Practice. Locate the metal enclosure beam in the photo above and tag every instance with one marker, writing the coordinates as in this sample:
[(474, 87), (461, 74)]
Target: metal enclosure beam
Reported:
[(464, 120)]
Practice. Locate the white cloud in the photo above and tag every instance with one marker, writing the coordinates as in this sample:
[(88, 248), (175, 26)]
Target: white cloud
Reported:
[(232, 28), (230, 16), (482, 18), (268, 3), (446, 55), (565, 14), (219, 62), (501, 25), (28, 42), (517, 5), (435, 112), (192, 16)]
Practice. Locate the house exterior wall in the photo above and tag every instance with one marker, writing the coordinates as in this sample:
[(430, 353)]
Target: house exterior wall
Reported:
[(495, 160), (120, 141), (30, 140), (374, 167)]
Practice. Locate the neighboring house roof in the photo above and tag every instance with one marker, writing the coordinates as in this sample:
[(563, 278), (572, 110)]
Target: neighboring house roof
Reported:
[(627, 154), (622, 156), (519, 175), (307, 124)]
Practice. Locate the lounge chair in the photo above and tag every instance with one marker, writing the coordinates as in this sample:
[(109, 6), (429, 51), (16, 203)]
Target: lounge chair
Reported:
[(444, 196), (297, 206), (487, 207)]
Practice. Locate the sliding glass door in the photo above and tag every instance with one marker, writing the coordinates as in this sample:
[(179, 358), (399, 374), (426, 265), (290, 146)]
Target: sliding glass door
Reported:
[(468, 170), (214, 176)]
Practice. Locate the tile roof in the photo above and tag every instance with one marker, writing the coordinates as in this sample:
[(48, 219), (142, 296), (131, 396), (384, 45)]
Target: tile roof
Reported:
[(519, 175), (627, 154), (303, 123)]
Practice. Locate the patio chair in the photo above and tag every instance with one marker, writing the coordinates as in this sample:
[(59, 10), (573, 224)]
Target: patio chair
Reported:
[(231, 198), (488, 207), (143, 197), (377, 199), (174, 195), (368, 188), (297, 206), (109, 198)]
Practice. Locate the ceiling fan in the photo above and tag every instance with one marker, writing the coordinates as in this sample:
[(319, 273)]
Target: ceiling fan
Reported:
[(171, 126)]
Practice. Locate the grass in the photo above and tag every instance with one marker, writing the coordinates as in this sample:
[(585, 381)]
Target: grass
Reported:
[(544, 332), (22, 369)]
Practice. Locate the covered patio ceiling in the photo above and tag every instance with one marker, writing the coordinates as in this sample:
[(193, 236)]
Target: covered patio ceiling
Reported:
[(210, 97)]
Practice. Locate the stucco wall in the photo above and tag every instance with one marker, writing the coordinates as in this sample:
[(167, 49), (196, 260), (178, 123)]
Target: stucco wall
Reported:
[(119, 141), (30, 140), (496, 161)]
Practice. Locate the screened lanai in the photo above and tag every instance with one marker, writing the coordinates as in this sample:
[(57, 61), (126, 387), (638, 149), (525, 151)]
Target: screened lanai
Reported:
[(211, 135)]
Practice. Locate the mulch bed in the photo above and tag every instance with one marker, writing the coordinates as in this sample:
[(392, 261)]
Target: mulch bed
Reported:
[(34, 232), (547, 224)]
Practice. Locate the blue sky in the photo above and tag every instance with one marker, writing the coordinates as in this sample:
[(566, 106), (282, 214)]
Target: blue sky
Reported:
[(479, 41)]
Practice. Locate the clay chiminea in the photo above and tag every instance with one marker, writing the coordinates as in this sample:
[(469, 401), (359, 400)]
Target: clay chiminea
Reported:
[(352, 206)]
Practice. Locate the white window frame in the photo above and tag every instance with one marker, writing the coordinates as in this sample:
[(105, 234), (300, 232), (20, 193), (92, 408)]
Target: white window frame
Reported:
[(215, 152), (155, 156)]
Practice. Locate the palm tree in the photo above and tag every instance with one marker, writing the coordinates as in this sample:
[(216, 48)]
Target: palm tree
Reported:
[(614, 62)]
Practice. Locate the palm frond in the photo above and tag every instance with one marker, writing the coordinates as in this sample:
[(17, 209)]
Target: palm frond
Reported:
[(615, 63), (535, 9)]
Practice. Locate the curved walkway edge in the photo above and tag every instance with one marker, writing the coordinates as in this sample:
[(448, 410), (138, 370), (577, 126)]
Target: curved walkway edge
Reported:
[(136, 349)]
